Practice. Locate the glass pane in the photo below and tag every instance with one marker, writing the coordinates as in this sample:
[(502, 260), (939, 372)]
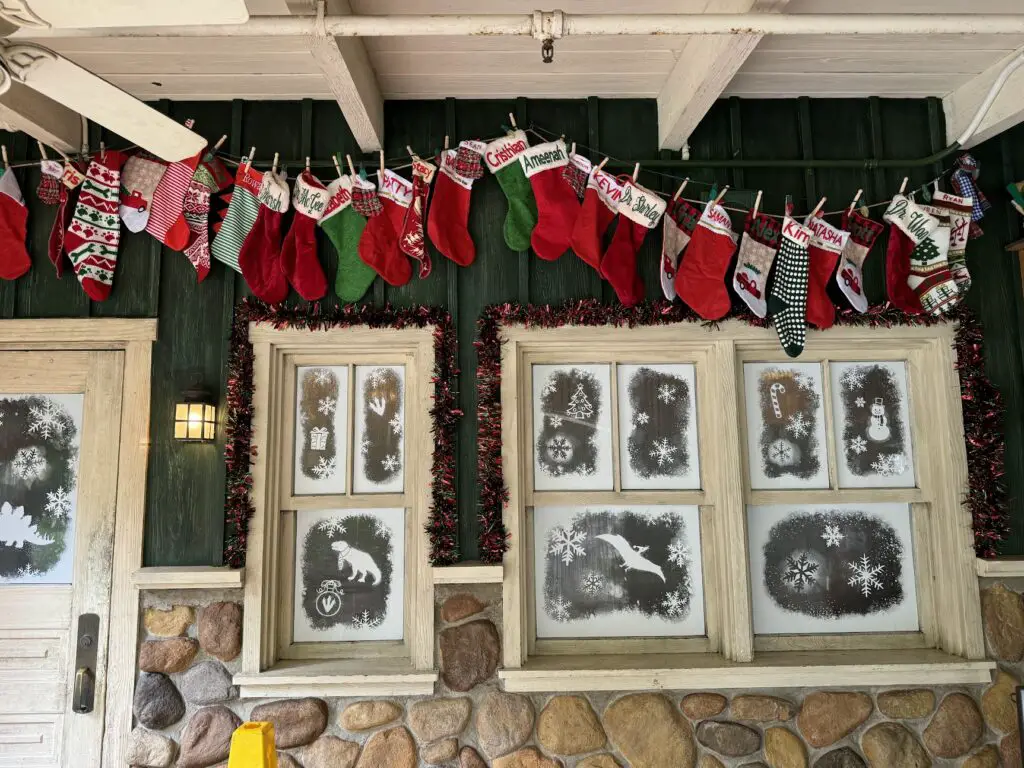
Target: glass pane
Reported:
[(839, 568), (380, 429), (349, 575), (572, 428), (39, 443), (872, 423), (181, 411), (785, 425), (181, 430), (658, 427), (618, 572), (321, 430)]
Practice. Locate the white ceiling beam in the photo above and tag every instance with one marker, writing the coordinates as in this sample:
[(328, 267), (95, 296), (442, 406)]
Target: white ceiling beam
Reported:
[(706, 65), (1006, 111), (42, 118)]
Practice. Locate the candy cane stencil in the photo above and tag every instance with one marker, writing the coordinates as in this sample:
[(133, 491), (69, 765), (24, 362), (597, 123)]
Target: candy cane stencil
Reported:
[(776, 389)]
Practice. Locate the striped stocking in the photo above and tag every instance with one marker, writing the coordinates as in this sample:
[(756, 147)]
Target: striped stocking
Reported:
[(167, 216), (240, 218)]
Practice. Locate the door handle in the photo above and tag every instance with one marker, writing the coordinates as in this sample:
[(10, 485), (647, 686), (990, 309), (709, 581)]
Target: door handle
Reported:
[(84, 694)]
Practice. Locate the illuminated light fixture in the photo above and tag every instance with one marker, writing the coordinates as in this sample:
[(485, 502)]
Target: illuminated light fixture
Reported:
[(195, 415)]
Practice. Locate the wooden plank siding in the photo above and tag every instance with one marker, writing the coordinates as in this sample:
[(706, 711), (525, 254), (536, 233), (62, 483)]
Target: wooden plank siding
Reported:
[(184, 525)]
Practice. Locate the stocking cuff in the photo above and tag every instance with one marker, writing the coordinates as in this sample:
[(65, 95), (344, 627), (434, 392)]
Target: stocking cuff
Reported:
[(73, 175), (339, 198), (609, 190), (763, 229), (249, 179), (394, 188), (717, 220), (506, 150), (683, 214), (911, 220), (274, 192), (795, 232), (640, 205), (309, 196), (450, 168), (863, 230), (544, 157), (826, 237), (9, 186), (424, 170), (364, 198), (51, 168), (964, 205)]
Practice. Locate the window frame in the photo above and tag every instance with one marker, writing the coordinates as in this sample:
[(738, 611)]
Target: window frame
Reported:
[(941, 524), (271, 663)]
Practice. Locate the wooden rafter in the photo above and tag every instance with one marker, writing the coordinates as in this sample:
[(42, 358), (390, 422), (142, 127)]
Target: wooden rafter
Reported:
[(42, 118), (1007, 110)]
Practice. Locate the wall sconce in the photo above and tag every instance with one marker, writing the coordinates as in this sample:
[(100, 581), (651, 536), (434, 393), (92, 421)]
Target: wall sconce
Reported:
[(195, 415)]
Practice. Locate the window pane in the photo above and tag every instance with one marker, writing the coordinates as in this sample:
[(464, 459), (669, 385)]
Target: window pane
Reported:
[(839, 568), (572, 428), (785, 425), (658, 427), (379, 429), (618, 572), (872, 424), (321, 429), (349, 575)]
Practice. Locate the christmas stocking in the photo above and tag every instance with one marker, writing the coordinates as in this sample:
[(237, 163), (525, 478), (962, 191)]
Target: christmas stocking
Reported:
[(95, 230), (448, 220), (395, 195), (897, 270), (754, 262), (557, 204), (70, 181), (639, 211), (850, 275), (260, 257), (576, 174), (827, 244), (680, 222), (139, 179), (344, 228), (959, 210), (210, 178), (48, 190), (600, 204), (918, 227), (411, 241), (14, 258), (700, 280), (930, 277), (378, 245), (167, 217), (298, 255), (502, 156), (964, 181), (788, 299), (240, 218)]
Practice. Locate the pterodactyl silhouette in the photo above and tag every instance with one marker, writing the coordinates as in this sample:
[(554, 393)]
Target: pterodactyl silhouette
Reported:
[(632, 557)]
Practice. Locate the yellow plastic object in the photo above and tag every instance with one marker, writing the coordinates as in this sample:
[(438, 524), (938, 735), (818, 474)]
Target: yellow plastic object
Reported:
[(252, 746)]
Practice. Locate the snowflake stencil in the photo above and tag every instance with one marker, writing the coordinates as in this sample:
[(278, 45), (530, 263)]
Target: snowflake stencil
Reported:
[(396, 425), (592, 583), (667, 394), (47, 420), (559, 447), (383, 531), (335, 526), (805, 381), (858, 445), (555, 421), (832, 535), (390, 463), (865, 575), (58, 503), (853, 378), (327, 406), (325, 468), (366, 620), (640, 418), (567, 544), (859, 402), (799, 572), (321, 375), (674, 604), (662, 451), (558, 609), (27, 572), (678, 554), (549, 388), (889, 464), (28, 463), (798, 425)]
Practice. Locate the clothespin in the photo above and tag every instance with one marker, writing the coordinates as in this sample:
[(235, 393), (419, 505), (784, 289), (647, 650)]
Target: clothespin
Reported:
[(252, 155), (789, 205), (926, 193), (636, 171), (337, 166), (103, 151), (351, 168), (382, 163), (273, 166), (446, 138), (307, 163), (220, 142), (853, 203), (757, 203), (903, 186), (3, 150), (512, 120), (42, 150), (818, 207), (601, 164), (572, 149), (721, 195), (681, 188), (412, 154)]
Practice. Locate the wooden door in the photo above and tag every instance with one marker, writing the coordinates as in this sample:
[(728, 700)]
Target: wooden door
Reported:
[(59, 435)]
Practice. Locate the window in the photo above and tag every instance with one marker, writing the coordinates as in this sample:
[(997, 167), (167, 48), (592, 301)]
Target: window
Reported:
[(339, 590), (693, 508)]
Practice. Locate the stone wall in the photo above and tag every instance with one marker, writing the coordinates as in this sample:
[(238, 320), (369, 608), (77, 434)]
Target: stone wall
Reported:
[(186, 708)]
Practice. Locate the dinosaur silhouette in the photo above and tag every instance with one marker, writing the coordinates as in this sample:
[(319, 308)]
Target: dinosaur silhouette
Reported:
[(632, 557), (16, 528)]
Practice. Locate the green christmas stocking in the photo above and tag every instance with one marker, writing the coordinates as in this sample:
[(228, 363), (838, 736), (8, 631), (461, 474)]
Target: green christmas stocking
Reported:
[(502, 156), (344, 227)]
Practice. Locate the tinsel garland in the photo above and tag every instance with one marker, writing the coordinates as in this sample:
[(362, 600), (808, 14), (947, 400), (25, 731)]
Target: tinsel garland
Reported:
[(239, 451), (982, 406)]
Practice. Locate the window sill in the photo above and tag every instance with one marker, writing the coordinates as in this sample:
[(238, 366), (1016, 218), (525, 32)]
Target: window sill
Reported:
[(345, 677), (780, 669)]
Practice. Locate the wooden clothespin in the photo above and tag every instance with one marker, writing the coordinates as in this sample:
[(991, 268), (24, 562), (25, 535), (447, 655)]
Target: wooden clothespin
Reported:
[(572, 149), (220, 142), (3, 150), (307, 163), (512, 120), (446, 141), (273, 166), (412, 154), (601, 164), (42, 150), (252, 155), (382, 163), (681, 188), (351, 168), (903, 186), (757, 203), (818, 207), (337, 165), (721, 196), (636, 171), (103, 151), (853, 203)]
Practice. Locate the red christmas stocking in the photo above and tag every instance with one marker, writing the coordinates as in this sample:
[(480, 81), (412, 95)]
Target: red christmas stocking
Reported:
[(395, 195), (897, 270), (73, 176), (298, 255), (600, 203), (557, 204), (700, 279), (411, 242), (378, 245), (448, 220), (14, 258), (167, 215), (640, 210), (260, 257), (827, 244)]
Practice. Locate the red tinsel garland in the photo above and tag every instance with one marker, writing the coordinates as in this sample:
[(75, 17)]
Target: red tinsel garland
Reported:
[(982, 406), (443, 524)]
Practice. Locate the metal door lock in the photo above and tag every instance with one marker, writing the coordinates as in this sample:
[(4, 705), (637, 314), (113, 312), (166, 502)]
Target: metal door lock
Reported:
[(84, 695)]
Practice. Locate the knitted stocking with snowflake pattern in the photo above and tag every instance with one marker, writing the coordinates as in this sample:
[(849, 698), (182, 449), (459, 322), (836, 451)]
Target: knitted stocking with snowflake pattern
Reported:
[(827, 244), (210, 178), (787, 301), (95, 231), (754, 261)]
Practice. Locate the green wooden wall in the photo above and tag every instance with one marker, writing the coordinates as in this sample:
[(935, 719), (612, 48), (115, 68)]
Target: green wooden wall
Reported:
[(184, 523)]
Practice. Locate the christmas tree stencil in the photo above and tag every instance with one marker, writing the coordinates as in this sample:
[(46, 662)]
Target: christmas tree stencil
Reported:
[(579, 405)]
